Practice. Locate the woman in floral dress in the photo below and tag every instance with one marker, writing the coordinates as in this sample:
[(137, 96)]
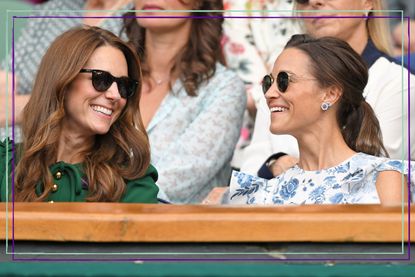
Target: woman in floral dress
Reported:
[(315, 93)]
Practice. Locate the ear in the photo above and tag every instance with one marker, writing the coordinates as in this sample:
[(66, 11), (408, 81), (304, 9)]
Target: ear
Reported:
[(332, 95)]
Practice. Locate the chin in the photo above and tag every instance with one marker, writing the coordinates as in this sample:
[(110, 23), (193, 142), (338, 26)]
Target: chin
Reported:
[(101, 130), (279, 130)]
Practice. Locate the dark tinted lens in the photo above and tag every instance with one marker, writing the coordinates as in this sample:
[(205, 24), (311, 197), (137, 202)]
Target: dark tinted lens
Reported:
[(126, 87), (101, 80), (282, 81), (302, 2), (266, 83), (132, 87)]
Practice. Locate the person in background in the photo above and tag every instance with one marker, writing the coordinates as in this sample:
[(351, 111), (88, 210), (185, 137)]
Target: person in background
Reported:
[(191, 105), (83, 137), (400, 32), (386, 90), (36, 37), (315, 93), (250, 46)]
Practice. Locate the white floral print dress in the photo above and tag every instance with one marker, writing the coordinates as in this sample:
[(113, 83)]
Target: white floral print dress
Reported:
[(351, 182)]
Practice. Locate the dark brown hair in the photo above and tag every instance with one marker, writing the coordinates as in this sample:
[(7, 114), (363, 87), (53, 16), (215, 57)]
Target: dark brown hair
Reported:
[(122, 153), (196, 62), (335, 63)]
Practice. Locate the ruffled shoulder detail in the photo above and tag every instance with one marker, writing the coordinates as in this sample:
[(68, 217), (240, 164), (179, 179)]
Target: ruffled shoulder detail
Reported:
[(405, 167), (401, 166), (152, 172)]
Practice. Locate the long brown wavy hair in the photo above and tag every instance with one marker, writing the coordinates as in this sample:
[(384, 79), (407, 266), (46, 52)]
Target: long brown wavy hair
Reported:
[(121, 154), (335, 63), (196, 61)]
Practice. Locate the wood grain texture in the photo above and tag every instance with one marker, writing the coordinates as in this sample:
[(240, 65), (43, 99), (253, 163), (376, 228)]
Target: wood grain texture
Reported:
[(112, 222)]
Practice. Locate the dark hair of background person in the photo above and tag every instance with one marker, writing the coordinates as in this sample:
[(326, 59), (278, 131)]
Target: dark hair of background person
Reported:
[(196, 62), (122, 153), (335, 63)]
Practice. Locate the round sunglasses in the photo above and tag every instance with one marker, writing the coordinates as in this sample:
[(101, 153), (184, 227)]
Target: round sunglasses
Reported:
[(102, 81), (283, 79), (302, 2)]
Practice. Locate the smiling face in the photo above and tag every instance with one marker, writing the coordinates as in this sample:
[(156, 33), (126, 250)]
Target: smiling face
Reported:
[(157, 24), (88, 111), (298, 108), (342, 28)]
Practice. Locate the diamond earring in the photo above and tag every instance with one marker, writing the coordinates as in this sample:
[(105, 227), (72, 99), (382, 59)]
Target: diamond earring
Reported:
[(325, 106)]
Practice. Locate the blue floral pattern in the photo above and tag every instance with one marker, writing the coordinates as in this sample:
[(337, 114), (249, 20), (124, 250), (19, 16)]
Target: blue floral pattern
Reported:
[(351, 182)]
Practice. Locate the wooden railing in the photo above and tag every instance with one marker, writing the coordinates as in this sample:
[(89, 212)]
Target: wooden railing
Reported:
[(114, 222)]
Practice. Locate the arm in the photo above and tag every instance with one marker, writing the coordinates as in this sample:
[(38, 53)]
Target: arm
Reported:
[(389, 186), (205, 147)]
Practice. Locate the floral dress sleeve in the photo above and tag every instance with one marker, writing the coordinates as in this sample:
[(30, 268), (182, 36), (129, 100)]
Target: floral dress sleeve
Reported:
[(404, 167)]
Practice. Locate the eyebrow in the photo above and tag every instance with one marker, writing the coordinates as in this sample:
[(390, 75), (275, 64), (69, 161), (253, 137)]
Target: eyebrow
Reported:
[(290, 73)]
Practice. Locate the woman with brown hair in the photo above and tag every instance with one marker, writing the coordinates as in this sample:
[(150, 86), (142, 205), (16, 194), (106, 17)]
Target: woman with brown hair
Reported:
[(191, 105), (44, 23), (315, 93), (83, 138)]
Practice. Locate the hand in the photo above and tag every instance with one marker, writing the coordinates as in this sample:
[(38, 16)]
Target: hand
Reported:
[(283, 163)]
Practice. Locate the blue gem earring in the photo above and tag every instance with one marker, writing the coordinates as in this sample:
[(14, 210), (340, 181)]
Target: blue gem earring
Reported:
[(325, 106)]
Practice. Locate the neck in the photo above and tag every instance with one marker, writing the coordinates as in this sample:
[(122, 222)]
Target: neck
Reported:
[(71, 146), (358, 42), (93, 7), (322, 148), (162, 49)]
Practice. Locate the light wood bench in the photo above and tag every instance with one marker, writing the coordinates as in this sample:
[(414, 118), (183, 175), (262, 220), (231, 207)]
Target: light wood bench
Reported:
[(114, 222)]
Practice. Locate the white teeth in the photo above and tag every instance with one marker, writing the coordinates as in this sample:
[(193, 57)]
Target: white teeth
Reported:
[(101, 110), (278, 109)]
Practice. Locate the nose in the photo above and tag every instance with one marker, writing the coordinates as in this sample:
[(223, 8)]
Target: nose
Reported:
[(272, 92), (112, 92)]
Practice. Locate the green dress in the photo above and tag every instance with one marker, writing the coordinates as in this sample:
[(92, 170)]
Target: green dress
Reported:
[(70, 185)]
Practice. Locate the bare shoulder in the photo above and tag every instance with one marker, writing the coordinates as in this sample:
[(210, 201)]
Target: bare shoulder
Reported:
[(389, 185)]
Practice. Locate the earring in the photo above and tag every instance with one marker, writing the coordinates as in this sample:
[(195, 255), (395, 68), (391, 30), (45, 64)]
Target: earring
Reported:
[(325, 106)]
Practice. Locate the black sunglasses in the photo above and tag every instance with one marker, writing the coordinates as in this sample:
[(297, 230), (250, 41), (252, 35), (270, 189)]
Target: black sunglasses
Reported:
[(283, 79), (302, 2), (102, 81)]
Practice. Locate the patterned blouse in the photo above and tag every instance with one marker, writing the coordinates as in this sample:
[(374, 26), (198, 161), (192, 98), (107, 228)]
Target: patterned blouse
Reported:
[(351, 182), (192, 138)]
